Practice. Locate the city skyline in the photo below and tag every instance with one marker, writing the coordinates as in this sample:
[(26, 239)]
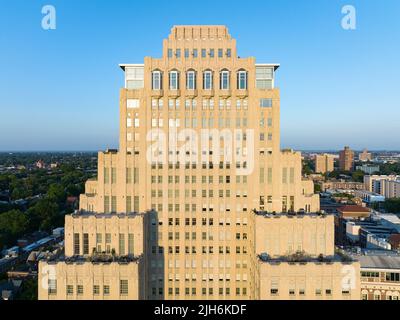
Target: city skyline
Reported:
[(72, 74)]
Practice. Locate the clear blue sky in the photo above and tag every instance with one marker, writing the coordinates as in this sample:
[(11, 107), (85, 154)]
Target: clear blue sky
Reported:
[(59, 89)]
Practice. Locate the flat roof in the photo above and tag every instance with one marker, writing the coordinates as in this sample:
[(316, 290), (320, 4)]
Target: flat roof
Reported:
[(124, 65), (380, 261)]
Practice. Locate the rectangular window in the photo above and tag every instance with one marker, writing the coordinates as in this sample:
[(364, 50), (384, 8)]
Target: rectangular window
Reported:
[(195, 53), (52, 288), (284, 175), (212, 53), (106, 204), (106, 290), (266, 103), (220, 53), (261, 175), (269, 175), (136, 203), (169, 53), (136, 175), (264, 78), (190, 80), (113, 175), (242, 80), (207, 80), (173, 80), (228, 53), (291, 175), (76, 244), (113, 204), (130, 244), (134, 77), (186, 53), (96, 290), (178, 53), (224, 81), (203, 53), (132, 103), (85, 243), (128, 204), (79, 289), (128, 175), (156, 82), (70, 290), (106, 175), (122, 244)]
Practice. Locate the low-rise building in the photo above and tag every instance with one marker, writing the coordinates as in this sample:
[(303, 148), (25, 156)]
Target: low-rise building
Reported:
[(342, 184), (368, 169), (380, 277), (369, 197)]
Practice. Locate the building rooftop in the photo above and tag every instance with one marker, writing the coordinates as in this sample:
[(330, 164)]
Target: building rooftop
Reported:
[(302, 258), (95, 259), (300, 214), (353, 208), (379, 261), (86, 214)]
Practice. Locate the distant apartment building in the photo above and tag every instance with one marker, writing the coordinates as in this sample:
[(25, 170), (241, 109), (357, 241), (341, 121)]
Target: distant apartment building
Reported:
[(380, 277), (324, 163), (346, 159), (385, 185), (368, 169), (365, 156), (341, 185)]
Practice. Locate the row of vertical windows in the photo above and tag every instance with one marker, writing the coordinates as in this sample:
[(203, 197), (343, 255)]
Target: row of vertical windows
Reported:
[(123, 288), (205, 291), (99, 238), (191, 80), (113, 208), (195, 53)]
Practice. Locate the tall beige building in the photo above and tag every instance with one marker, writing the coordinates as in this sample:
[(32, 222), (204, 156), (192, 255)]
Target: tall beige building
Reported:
[(171, 214), (324, 163), (346, 159)]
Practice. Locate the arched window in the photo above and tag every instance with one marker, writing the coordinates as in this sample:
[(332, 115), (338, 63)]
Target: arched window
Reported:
[(224, 80), (173, 80), (207, 80), (191, 80), (242, 79), (156, 80)]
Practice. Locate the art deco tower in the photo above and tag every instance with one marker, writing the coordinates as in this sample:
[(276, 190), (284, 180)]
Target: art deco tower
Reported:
[(174, 206)]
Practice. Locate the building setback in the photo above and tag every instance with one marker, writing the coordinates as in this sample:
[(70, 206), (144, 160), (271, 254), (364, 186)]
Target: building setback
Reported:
[(171, 218)]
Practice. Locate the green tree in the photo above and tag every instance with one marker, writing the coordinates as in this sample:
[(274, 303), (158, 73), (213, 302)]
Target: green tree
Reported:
[(44, 215), (358, 176), (392, 205), (13, 224)]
